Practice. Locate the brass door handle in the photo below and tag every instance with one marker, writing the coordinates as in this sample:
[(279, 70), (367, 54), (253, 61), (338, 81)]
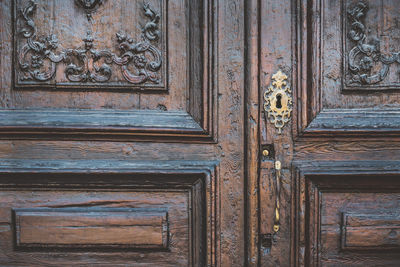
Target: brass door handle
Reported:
[(277, 198)]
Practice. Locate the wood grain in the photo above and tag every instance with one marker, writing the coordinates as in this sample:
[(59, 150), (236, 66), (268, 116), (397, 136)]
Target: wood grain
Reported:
[(37, 228), (370, 232)]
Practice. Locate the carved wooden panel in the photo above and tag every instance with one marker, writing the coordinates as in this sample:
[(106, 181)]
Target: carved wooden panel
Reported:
[(58, 212), (97, 44), (348, 72), (347, 213), (371, 33), (106, 70)]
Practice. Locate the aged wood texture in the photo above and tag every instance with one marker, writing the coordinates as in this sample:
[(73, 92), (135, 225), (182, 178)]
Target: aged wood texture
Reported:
[(80, 228), (367, 190), (87, 57), (102, 148), (325, 110), (370, 232), (341, 154), (252, 120), (275, 55), (98, 150), (187, 49), (90, 188), (371, 56), (231, 135)]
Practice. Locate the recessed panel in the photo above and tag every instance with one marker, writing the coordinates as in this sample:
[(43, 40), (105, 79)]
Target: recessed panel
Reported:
[(359, 221), (352, 76), (373, 231), (79, 44), (371, 35), (346, 216), (83, 228)]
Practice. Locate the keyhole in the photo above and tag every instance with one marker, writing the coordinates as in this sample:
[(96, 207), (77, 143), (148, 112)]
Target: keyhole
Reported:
[(278, 101)]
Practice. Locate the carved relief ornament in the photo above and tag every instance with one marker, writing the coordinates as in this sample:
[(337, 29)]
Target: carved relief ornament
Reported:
[(278, 101), (39, 57), (366, 55)]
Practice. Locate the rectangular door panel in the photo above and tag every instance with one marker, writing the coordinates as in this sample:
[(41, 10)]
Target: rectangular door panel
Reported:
[(80, 228), (348, 214), (351, 78), (370, 231), (61, 213), (117, 227), (107, 69)]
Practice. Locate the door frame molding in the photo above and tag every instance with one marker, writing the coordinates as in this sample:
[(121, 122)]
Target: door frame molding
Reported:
[(199, 178), (311, 178)]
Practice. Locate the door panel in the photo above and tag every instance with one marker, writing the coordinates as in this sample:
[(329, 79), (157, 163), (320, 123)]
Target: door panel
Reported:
[(352, 67), (85, 228), (58, 213), (108, 70), (349, 218), (329, 171), (114, 112)]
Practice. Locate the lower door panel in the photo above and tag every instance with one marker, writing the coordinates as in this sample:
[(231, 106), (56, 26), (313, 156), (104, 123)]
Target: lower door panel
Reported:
[(76, 227), (132, 216)]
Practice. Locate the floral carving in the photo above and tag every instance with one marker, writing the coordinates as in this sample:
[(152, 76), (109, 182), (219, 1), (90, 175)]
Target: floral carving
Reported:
[(89, 6), (366, 55), (139, 61)]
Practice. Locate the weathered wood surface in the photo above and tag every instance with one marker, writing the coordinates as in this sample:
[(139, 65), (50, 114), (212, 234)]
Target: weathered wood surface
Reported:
[(370, 232), (43, 228), (94, 194), (341, 155), (186, 73), (191, 145)]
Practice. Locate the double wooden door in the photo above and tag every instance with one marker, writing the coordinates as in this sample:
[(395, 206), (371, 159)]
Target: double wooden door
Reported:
[(199, 133)]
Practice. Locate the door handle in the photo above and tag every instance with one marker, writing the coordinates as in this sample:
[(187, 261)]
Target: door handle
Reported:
[(270, 184), (278, 166)]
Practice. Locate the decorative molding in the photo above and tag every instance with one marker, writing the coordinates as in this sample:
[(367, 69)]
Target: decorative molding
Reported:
[(199, 179), (311, 179), (196, 125), (365, 55), (38, 58), (313, 121)]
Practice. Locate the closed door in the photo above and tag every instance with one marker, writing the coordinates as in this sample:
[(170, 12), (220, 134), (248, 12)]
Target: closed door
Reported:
[(329, 86), (122, 133), (199, 133)]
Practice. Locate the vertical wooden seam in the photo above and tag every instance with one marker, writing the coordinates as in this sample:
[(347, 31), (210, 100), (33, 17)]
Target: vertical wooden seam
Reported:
[(251, 119)]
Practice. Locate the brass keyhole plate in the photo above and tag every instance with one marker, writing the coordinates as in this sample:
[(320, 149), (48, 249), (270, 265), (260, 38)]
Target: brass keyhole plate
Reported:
[(278, 101)]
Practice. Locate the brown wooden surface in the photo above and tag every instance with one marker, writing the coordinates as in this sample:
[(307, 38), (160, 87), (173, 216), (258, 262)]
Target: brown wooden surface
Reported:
[(84, 162), (174, 145), (339, 154), (83, 228), (364, 231)]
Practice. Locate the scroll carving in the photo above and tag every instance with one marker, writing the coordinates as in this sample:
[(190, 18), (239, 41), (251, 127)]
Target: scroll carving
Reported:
[(89, 6), (367, 64), (139, 61)]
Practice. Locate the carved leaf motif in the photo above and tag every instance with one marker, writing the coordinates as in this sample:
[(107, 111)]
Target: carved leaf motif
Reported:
[(139, 61), (89, 6), (365, 55)]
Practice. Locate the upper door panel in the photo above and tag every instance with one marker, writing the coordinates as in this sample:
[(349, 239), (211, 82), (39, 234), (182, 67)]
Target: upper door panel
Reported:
[(110, 69), (350, 68)]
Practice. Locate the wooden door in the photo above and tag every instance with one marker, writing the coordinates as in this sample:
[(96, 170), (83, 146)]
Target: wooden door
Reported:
[(122, 133), (328, 79)]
